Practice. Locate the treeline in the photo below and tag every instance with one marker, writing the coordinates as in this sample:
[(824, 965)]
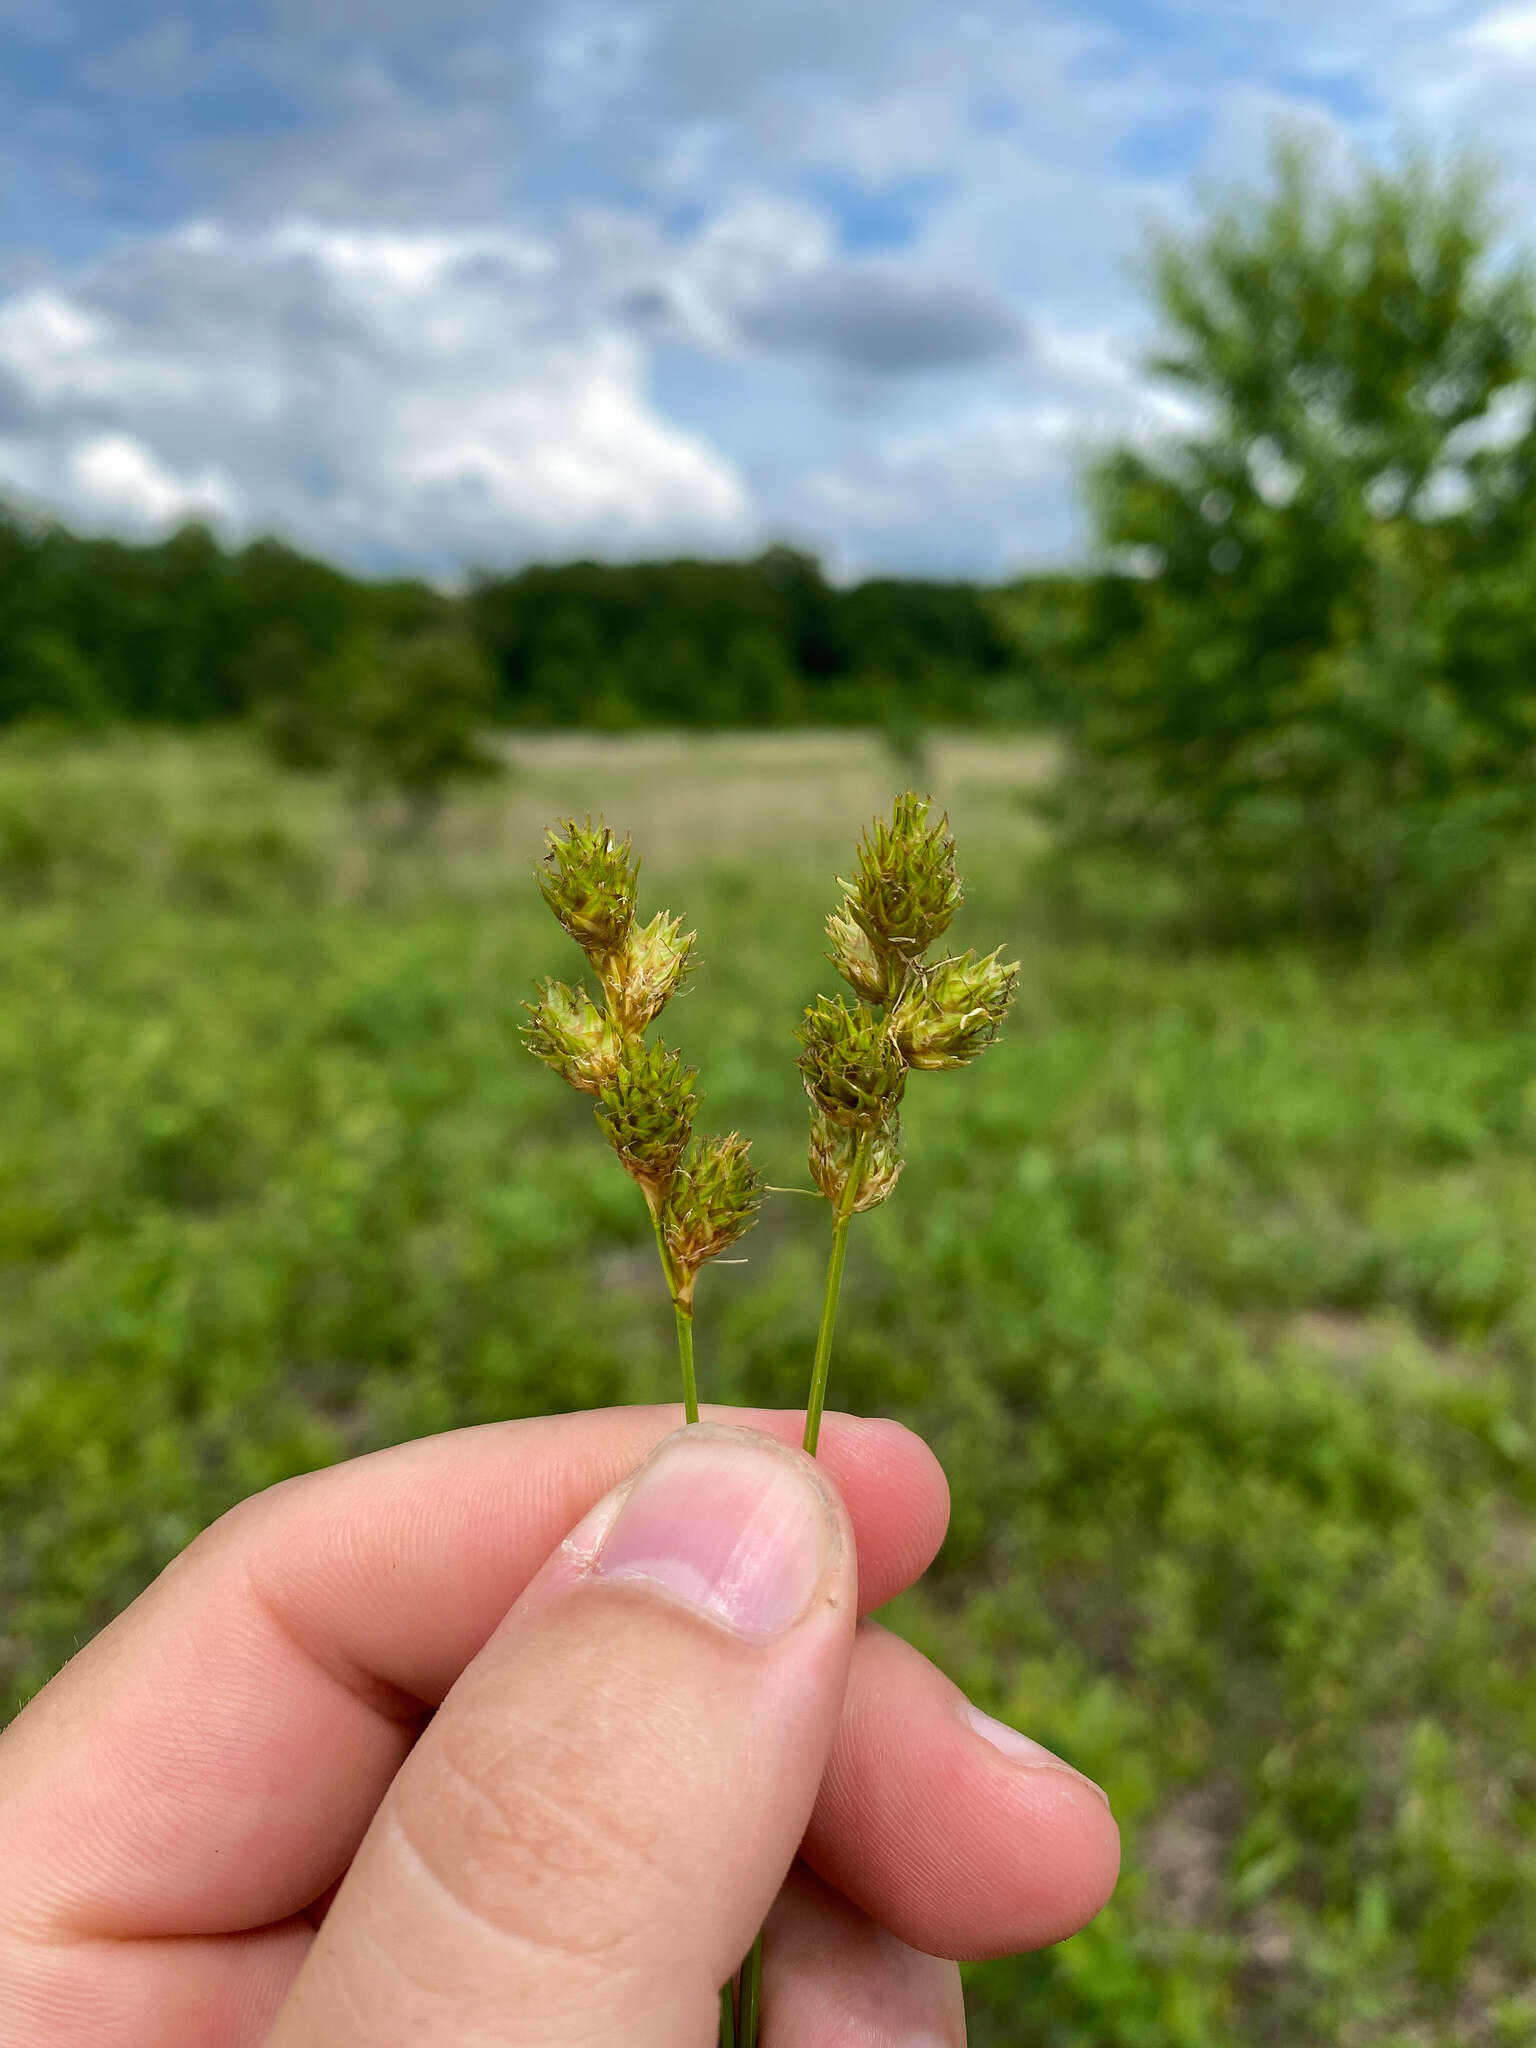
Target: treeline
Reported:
[(187, 631), (183, 631), (761, 643)]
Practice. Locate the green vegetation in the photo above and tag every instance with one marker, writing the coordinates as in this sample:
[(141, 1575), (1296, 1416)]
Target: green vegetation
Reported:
[(407, 717), (1219, 1308), (415, 719), (764, 643), (1317, 703), (182, 632), (186, 632), (1298, 692)]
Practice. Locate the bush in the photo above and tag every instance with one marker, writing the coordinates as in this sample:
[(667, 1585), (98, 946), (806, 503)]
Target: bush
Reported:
[(406, 717), (414, 718)]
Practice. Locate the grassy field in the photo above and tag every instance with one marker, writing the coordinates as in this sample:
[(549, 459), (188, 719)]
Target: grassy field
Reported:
[(1212, 1287)]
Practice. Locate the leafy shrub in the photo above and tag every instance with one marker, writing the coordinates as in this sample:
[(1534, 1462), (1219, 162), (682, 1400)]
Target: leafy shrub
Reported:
[(415, 717), (405, 717)]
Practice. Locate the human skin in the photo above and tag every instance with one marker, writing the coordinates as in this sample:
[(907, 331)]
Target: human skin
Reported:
[(518, 1733)]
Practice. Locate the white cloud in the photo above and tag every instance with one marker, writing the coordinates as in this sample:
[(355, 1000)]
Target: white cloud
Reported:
[(1508, 34), (46, 340), (982, 495), (386, 396), (571, 457), (401, 396), (1239, 148), (116, 478)]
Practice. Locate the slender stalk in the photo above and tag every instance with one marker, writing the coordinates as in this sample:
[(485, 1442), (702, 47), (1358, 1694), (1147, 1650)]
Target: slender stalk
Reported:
[(685, 1356), (823, 1361), (752, 1969), (728, 2015), (683, 1313), (752, 1994)]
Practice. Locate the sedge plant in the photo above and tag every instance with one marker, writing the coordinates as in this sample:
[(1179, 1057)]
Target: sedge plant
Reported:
[(909, 1013)]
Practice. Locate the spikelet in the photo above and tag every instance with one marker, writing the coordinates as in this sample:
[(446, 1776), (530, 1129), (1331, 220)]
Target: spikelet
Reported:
[(907, 888), (834, 1154), (850, 1066), (646, 1112), (952, 1011), (642, 975), (713, 1201), (911, 1016), (573, 1037), (588, 878)]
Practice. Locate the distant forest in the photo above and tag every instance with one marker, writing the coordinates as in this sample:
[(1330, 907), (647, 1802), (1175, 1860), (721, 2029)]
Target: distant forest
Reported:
[(187, 631)]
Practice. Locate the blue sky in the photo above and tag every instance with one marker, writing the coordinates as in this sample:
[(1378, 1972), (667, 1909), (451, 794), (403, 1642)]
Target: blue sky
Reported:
[(432, 284)]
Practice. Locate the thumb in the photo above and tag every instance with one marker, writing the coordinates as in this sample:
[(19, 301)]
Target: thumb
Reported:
[(584, 1842)]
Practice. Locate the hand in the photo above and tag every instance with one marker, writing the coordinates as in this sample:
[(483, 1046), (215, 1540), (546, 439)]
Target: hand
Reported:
[(560, 1760)]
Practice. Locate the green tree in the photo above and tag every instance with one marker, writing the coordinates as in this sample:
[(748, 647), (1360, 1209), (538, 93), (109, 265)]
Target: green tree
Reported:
[(1321, 707), (414, 717)]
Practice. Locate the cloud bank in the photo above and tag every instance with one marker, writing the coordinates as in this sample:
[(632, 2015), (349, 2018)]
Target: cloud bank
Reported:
[(434, 286)]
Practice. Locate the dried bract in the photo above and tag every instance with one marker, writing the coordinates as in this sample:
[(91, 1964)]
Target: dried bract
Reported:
[(643, 975), (868, 970), (573, 1037), (588, 878), (850, 1066), (646, 1112), (953, 1010), (907, 888)]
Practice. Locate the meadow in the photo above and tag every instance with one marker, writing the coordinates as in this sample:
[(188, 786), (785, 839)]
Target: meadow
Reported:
[(1212, 1287)]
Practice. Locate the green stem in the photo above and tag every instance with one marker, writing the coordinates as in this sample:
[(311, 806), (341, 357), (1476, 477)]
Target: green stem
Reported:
[(842, 1217), (684, 1319), (685, 1356), (683, 1312), (752, 1969), (752, 1994)]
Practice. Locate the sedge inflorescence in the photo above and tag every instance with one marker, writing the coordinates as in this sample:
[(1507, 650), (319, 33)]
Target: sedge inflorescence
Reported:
[(908, 1013), (703, 1193)]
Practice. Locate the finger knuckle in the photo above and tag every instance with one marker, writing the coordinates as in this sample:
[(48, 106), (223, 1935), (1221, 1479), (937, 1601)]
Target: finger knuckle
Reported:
[(515, 1834)]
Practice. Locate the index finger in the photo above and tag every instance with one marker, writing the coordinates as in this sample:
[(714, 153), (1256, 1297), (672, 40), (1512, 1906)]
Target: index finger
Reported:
[(212, 1759)]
